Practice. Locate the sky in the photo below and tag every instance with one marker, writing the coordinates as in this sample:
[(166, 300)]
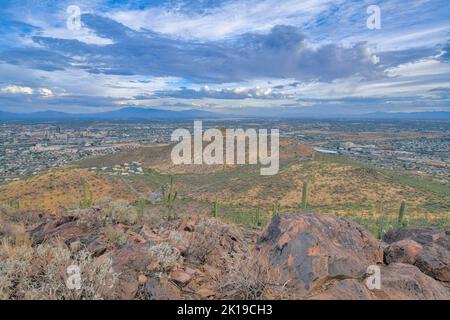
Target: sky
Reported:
[(241, 57)]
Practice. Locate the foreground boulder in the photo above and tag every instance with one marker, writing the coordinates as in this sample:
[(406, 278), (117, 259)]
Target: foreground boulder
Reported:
[(399, 281), (426, 248), (406, 282), (299, 256), (326, 257), (403, 251), (311, 249)]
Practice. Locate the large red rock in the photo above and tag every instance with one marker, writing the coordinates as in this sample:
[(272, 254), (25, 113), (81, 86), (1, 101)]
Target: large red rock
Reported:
[(311, 249), (403, 251), (434, 258), (407, 282), (398, 282)]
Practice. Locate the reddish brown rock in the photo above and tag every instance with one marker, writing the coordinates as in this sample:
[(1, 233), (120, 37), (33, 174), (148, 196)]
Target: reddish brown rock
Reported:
[(205, 293), (312, 248), (398, 282), (434, 258), (136, 237), (62, 228), (406, 282), (422, 235), (347, 289), (434, 261), (161, 289), (180, 277), (142, 279), (187, 225), (191, 271), (128, 262), (403, 251)]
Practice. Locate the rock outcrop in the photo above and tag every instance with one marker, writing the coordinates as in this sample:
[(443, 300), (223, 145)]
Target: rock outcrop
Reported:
[(313, 248), (426, 248), (313, 256), (327, 257)]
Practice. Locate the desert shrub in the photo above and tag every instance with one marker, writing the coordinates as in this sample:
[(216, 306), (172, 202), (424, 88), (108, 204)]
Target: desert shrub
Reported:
[(208, 236), (119, 211), (41, 273), (250, 277), (116, 235), (165, 257), (9, 212), (151, 217), (14, 233)]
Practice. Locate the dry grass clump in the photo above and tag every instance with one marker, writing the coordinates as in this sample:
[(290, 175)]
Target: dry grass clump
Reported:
[(119, 211), (41, 273), (165, 258), (213, 236), (116, 235), (11, 230), (250, 277), (12, 233), (9, 212)]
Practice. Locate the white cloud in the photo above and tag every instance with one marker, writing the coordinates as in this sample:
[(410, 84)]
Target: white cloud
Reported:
[(12, 89), (45, 92), (420, 68), (233, 18)]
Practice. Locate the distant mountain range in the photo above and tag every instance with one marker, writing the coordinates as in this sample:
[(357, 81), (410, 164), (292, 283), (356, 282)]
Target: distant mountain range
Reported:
[(121, 114), (133, 113), (432, 115)]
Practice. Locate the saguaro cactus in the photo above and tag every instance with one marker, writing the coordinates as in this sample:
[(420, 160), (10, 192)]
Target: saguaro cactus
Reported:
[(258, 221), (170, 195), (86, 200), (215, 208), (276, 209), (304, 204), (141, 204), (401, 214)]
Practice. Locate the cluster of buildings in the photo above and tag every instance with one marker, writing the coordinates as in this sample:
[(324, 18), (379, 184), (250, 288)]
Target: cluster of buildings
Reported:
[(30, 148), (126, 169), (425, 156)]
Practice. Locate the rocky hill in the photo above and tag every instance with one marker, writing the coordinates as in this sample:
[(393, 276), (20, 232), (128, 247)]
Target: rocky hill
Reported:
[(304, 255)]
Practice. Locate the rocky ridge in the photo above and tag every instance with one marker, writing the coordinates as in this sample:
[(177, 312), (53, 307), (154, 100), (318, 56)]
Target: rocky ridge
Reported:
[(304, 255)]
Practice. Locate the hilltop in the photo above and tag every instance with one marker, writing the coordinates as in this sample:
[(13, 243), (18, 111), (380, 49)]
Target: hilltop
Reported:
[(150, 230), (335, 185)]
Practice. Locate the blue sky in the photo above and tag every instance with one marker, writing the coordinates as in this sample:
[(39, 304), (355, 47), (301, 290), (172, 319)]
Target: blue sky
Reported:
[(310, 56)]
